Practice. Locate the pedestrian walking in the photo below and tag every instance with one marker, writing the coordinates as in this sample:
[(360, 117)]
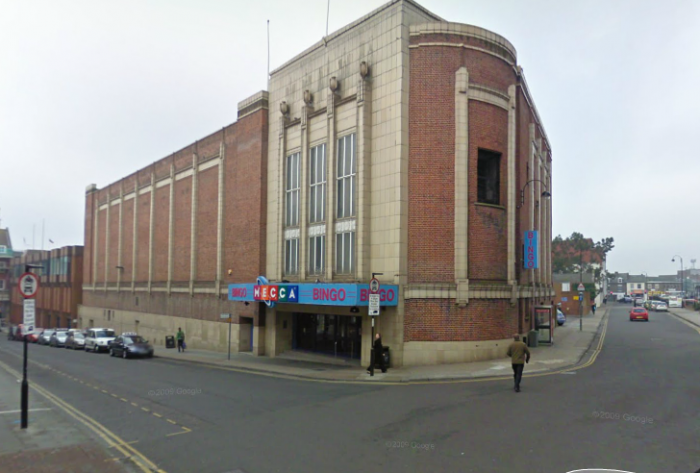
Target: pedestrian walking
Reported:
[(593, 308), (180, 340), (519, 355), (378, 353), (605, 300)]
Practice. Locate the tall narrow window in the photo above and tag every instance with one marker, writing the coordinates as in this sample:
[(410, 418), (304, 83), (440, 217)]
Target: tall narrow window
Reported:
[(317, 183), (317, 252), (489, 177), (291, 256), (346, 170), (345, 253), (292, 191)]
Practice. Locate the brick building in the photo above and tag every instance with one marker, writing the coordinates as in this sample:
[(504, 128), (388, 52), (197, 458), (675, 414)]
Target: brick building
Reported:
[(5, 269), (418, 135), (401, 144), (60, 286), (162, 244)]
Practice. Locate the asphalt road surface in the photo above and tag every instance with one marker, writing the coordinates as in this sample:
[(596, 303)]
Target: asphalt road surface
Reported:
[(637, 408)]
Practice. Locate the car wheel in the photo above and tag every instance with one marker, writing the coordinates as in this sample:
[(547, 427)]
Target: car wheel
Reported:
[(125, 354)]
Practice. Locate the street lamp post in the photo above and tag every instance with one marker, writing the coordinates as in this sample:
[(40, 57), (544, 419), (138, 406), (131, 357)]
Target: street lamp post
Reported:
[(673, 260), (546, 194)]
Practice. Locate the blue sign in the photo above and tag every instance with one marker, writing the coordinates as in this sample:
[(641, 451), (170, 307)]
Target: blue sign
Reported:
[(308, 293), (530, 257), (565, 299)]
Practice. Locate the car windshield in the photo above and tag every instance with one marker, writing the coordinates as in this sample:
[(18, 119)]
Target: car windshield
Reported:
[(104, 333), (639, 311), (134, 339), (48, 333), (78, 335)]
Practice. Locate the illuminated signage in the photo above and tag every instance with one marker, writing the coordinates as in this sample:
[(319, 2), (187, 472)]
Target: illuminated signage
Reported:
[(530, 250), (307, 293)]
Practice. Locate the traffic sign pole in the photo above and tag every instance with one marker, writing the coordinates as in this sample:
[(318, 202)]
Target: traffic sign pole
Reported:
[(374, 291), (28, 286)]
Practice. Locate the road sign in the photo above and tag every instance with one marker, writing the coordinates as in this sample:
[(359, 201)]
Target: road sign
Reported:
[(373, 305), (374, 286), (575, 298), (29, 315), (581, 287), (28, 285), (225, 316)]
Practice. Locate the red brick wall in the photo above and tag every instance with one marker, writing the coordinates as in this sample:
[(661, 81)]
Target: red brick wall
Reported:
[(127, 241), (488, 226), (207, 211), (441, 320), (113, 243), (182, 230), (142, 237), (161, 219), (101, 241)]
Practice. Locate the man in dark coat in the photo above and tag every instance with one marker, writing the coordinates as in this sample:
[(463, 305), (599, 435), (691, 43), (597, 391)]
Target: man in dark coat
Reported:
[(519, 355), (378, 353)]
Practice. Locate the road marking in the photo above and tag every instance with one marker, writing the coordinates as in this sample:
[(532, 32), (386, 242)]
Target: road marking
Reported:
[(185, 430), (134, 404), (114, 396), (171, 421), (145, 409), (105, 391), (112, 440), (157, 415), (125, 443), (123, 400), (30, 410)]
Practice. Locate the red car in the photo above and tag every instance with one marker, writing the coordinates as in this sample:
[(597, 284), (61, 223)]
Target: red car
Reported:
[(34, 336), (639, 313)]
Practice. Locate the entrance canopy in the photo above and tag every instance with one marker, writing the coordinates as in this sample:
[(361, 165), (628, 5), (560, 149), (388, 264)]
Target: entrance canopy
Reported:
[(309, 293)]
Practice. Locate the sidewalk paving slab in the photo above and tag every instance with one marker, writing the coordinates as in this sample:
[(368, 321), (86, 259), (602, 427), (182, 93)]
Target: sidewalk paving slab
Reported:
[(569, 347), (691, 316)]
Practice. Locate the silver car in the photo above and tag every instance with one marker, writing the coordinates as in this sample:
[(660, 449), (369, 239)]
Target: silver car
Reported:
[(661, 307), (45, 336), (76, 340), (58, 338)]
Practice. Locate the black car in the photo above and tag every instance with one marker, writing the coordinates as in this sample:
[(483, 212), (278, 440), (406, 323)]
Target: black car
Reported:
[(130, 345)]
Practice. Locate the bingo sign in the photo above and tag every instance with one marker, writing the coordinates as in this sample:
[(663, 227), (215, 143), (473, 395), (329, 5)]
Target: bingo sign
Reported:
[(306, 293), (530, 250)]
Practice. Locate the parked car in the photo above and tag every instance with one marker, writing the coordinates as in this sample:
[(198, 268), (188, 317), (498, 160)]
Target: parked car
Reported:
[(98, 339), (75, 340), (627, 299), (45, 336), (675, 302), (130, 344), (639, 313), (58, 338), (34, 336), (561, 318), (661, 307)]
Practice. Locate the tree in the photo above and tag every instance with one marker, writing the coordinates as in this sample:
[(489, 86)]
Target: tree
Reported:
[(578, 254)]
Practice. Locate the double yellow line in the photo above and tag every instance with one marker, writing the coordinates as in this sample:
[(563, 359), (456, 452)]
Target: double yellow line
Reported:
[(110, 438)]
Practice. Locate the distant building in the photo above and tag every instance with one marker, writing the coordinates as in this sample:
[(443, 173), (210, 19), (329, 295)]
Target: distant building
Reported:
[(566, 292), (5, 258), (60, 286)]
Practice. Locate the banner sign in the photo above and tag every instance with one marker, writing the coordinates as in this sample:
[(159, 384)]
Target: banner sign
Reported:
[(530, 256), (309, 293)]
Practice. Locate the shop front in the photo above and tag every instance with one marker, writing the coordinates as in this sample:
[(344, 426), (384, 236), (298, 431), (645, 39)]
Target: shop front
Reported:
[(325, 318)]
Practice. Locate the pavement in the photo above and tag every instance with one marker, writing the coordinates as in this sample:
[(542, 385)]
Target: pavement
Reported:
[(52, 441), (690, 316), (571, 342)]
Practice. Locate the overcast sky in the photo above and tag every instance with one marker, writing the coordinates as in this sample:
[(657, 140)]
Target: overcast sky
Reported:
[(91, 91)]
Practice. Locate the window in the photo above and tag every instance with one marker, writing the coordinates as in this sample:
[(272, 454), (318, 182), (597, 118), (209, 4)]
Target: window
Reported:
[(619, 280), (2, 284), (3, 249), (344, 252), (346, 170), (489, 177), (317, 252), (292, 191), (317, 183), (639, 286), (291, 256), (565, 287)]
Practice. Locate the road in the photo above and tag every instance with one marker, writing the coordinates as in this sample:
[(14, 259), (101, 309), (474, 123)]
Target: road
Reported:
[(634, 409)]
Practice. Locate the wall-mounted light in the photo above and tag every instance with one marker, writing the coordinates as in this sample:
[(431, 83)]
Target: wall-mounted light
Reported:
[(120, 268), (334, 84), (284, 108), (354, 310), (308, 97), (364, 70)]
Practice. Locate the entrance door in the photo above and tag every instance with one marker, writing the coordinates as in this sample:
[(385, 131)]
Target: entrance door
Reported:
[(331, 334)]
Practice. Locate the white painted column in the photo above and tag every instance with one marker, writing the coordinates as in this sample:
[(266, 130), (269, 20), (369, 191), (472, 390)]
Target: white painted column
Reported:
[(331, 181), (512, 203), (193, 223), (220, 219), (171, 226), (281, 214), (109, 206), (134, 249), (95, 242), (461, 205), (151, 231), (121, 232), (364, 161), (303, 191)]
